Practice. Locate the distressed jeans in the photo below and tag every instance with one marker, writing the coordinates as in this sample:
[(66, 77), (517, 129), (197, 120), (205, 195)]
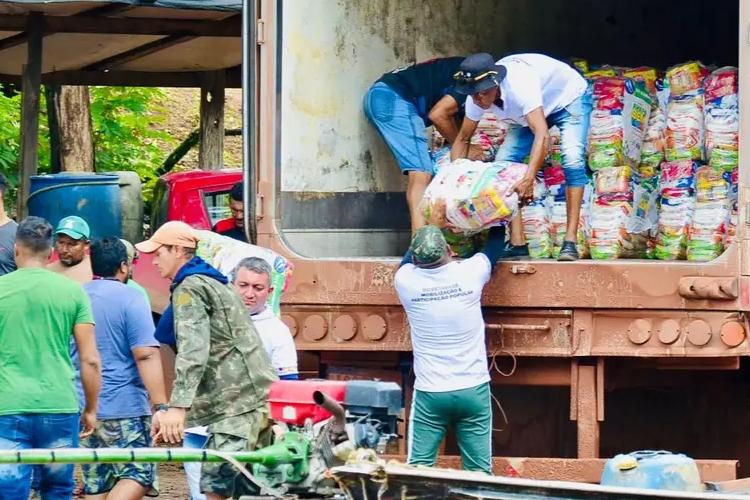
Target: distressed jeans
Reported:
[(38, 430)]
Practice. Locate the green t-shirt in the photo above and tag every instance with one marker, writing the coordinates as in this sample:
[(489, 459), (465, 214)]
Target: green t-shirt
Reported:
[(38, 310), (132, 284)]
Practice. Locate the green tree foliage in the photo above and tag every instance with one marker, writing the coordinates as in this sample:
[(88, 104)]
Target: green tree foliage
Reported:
[(126, 133)]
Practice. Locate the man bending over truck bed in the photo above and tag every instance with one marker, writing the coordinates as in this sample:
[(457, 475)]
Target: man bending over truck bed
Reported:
[(533, 92), (442, 299), (401, 104), (222, 372)]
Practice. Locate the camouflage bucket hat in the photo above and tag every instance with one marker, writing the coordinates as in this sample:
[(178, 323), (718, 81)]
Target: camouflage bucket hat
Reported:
[(428, 245)]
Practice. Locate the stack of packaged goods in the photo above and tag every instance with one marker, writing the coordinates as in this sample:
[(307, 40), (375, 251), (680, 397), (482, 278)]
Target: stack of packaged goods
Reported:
[(722, 138), (606, 125), (642, 225), (685, 128), (610, 212), (677, 203), (536, 224), (712, 208), (489, 135), (471, 196)]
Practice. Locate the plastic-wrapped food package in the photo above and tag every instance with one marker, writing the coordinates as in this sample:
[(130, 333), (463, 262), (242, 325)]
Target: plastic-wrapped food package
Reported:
[(224, 253), (711, 184), (618, 123), (536, 224), (613, 184), (582, 65), (677, 203), (601, 72), (643, 222), (440, 158), (734, 208), (654, 141), (489, 135), (686, 78), (472, 195), (685, 127), (645, 75), (722, 117), (708, 230), (608, 229)]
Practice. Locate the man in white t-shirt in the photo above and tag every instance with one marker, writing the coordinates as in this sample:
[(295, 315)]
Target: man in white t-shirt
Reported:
[(442, 300), (532, 92), (251, 278)]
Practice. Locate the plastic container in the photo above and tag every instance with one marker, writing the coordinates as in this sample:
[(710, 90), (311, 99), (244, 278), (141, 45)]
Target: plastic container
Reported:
[(93, 197), (659, 470)]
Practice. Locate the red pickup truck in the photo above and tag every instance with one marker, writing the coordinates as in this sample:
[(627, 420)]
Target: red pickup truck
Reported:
[(198, 197)]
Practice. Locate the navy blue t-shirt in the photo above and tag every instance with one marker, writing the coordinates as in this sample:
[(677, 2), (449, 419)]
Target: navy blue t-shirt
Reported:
[(426, 83)]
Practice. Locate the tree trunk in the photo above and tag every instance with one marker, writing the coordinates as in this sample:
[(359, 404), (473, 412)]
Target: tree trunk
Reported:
[(73, 137)]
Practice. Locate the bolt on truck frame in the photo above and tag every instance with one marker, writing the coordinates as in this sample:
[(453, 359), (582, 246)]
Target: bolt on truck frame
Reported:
[(606, 356)]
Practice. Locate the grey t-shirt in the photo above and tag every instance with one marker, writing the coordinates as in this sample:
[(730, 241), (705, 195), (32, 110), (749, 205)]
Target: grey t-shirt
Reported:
[(7, 240)]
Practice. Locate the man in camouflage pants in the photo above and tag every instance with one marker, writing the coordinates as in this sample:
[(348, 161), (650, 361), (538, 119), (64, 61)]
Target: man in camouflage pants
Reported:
[(222, 371)]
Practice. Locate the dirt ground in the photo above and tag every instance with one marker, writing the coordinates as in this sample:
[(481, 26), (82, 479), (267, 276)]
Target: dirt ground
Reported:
[(172, 483)]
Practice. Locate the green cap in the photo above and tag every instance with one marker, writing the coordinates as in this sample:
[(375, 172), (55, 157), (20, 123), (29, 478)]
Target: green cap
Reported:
[(75, 227), (428, 245)]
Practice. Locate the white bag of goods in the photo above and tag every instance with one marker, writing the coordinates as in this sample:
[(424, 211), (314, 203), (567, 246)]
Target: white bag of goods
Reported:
[(618, 122), (608, 222), (677, 203), (613, 184), (654, 141), (470, 196), (536, 224), (224, 253), (722, 117), (734, 208), (643, 223), (686, 78), (489, 135), (711, 216), (685, 127), (441, 158)]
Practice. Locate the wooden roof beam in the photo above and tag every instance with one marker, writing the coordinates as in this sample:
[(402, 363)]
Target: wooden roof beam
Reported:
[(138, 52), (103, 10), (185, 79), (229, 27)]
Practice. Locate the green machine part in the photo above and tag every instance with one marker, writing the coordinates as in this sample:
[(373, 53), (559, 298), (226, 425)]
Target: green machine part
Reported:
[(294, 468), (291, 451)]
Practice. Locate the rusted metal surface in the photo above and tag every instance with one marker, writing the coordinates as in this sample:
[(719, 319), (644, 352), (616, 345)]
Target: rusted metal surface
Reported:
[(586, 414), (585, 470), (365, 480), (645, 333)]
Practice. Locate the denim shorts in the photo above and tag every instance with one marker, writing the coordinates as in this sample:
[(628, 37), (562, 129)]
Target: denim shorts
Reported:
[(573, 122), (402, 128)]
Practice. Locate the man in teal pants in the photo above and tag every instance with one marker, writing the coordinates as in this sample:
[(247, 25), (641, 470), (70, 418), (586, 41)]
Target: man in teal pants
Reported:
[(442, 297)]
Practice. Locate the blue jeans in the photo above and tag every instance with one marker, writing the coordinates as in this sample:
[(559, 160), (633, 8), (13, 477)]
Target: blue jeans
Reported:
[(38, 430), (573, 122), (402, 128)]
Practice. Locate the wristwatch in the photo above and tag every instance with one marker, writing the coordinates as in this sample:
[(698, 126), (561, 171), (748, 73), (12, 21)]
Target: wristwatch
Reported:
[(160, 407)]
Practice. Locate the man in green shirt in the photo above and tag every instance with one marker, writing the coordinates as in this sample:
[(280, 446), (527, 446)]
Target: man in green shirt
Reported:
[(39, 313)]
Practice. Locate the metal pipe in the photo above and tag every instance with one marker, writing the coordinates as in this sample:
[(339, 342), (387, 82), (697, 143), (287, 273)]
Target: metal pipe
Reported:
[(249, 135), (339, 414), (133, 455)]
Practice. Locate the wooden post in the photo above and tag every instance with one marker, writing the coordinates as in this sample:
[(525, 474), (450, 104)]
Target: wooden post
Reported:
[(211, 151), (30, 87)]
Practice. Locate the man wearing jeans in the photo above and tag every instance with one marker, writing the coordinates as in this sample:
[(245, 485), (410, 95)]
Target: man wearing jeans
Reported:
[(442, 299), (533, 92), (401, 104), (39, 313)]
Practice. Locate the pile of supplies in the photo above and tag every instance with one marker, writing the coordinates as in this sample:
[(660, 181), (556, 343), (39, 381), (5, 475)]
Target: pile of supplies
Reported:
[(663, 158)]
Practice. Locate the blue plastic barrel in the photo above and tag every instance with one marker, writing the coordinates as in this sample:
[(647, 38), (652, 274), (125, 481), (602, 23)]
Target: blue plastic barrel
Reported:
[(93, 197), (660, 470)]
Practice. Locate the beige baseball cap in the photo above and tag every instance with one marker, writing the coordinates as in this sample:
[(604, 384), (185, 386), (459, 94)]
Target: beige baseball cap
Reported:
[(172, 233)]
